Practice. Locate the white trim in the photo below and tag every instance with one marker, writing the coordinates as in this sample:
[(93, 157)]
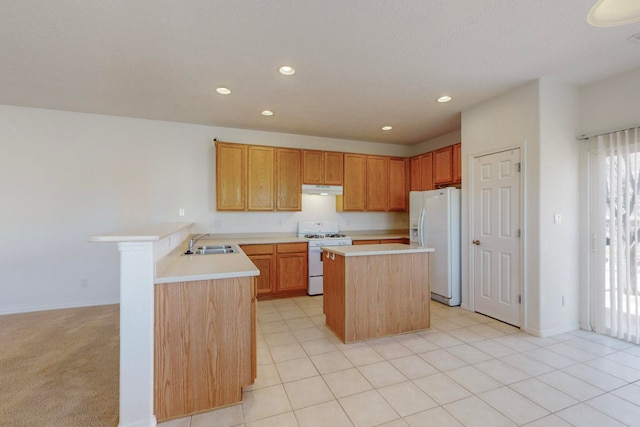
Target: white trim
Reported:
[(554, 331), (61, 307)]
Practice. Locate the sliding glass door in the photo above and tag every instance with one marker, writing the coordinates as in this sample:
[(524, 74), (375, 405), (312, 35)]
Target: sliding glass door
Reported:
[(615, 227)]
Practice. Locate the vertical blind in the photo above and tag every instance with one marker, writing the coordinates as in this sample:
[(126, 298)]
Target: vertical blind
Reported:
[(616, 213)]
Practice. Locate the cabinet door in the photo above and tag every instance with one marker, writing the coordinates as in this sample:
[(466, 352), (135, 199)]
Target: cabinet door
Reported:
[(354, 190), (333, 168), (260, 178), (313, 167), (266, 281), (457, 163), (292, 271), (288, 179), (365, 242), (416, 175), (442, 165), (231, 176), (426, 171), (398, 191), (377, 183)]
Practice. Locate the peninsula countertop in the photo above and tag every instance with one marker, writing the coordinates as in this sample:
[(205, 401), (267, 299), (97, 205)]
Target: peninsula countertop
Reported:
[(382, 249)]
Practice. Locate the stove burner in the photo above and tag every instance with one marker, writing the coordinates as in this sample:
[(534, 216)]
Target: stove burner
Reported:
[(330, 235), (324, 236), (312, 236)]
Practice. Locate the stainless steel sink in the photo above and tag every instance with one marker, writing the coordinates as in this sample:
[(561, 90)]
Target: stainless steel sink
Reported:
[(213, 250)]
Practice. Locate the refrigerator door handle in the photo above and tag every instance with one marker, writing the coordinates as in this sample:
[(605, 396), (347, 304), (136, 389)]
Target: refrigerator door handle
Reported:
[(421, 227)]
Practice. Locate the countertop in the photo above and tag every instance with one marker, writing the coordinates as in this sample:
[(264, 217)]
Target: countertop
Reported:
[(150, 233), (382, 249), (177, 267)]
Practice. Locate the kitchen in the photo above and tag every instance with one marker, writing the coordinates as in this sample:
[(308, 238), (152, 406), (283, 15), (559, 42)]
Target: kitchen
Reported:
[(67, 175)]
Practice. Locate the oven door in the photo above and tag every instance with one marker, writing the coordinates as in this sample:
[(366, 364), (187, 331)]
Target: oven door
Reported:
[(315, 261)]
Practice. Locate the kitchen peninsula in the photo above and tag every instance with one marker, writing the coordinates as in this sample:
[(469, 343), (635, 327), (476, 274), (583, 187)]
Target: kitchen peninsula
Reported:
[(372, 291)]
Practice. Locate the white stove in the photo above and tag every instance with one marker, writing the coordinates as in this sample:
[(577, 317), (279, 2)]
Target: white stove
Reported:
[(319, 233)]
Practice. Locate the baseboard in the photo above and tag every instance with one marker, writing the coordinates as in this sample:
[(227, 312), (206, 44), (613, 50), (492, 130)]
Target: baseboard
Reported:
[(150, 423), (544, 333), (59, 307)]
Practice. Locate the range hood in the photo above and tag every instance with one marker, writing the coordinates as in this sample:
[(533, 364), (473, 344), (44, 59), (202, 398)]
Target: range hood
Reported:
[(323, 190)]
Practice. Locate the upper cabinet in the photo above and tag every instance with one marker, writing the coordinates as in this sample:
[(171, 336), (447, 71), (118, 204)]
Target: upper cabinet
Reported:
[(333, 168), (322, 167), (443, 165), (435, 169), (231, 176), (354, 191), (258, 178), (457, 163), (377, 183), (288, 179), (398, 183), (261, 178)]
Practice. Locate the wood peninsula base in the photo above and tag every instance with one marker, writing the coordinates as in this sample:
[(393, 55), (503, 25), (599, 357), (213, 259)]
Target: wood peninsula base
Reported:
[(372, 291)]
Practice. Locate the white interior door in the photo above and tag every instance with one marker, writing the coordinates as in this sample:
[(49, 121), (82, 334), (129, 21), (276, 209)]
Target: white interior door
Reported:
[(495, 210)]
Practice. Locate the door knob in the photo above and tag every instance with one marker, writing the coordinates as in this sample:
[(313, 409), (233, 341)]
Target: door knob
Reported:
[(476, 242)]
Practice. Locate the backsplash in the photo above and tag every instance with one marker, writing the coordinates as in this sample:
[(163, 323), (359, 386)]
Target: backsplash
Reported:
[(313, 208)]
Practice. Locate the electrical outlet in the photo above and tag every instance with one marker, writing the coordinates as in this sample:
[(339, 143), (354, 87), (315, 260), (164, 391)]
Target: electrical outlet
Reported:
[(84, 283), (181, 212)]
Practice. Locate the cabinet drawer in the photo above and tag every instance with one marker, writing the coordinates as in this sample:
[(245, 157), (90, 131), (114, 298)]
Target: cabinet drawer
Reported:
[(285, 248), (257, 249)]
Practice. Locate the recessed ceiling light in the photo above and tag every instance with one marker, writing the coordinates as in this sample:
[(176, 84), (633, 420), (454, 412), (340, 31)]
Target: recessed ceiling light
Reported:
[(445, 98), (287, 70), (387, 127), (223, 90), (267, 113)]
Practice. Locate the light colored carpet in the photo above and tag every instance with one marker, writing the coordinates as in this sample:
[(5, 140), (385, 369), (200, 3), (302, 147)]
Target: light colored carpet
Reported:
[(60, 368)]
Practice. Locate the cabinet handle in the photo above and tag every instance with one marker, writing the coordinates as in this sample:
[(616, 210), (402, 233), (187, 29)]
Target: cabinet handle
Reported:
[(327, 254), (333, 256)]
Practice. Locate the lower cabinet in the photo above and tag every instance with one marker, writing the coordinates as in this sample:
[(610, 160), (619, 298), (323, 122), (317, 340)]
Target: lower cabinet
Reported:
[(205, 345), (403, 240), (283, 269)]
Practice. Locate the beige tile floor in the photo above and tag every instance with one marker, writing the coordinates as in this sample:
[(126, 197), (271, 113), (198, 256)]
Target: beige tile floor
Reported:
[(467, 370)]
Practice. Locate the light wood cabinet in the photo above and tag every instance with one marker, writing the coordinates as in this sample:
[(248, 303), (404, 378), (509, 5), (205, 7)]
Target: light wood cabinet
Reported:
[(375, 296), (426, 171), (365, 242), (231, 176), (263, 256), (322, 167), (333, 168), (260, 178), (354, 187), (443, 165), (415, 180), (377, 183), (398, 188), (288, 179), (457, 163), (313, 167), (283, 269), (204, 345)]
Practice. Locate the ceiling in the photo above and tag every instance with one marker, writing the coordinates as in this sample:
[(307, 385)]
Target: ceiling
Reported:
[(361, 64)]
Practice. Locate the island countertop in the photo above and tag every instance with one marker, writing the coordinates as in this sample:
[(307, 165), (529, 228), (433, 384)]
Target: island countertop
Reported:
[(382, 249)]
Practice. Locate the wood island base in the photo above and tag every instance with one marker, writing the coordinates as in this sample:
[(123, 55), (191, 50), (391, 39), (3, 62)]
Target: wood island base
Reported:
[(375, 295)]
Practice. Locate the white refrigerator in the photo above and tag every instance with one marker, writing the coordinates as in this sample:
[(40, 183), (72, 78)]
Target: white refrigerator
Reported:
[(434, 222)]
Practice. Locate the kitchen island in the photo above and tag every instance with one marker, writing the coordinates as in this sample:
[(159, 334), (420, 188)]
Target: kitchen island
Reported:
[(372, 291)]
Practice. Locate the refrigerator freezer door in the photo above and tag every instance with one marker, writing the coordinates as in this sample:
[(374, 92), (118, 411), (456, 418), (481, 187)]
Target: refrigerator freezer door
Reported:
[(437, 226)]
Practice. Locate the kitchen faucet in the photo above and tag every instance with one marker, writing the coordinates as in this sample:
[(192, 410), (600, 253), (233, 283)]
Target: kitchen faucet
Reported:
[(195, 239)]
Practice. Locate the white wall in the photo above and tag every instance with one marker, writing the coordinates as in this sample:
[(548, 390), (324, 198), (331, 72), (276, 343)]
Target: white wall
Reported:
[(507, 121), (610, 104), (438, 142), (559, 190), (65, 176)]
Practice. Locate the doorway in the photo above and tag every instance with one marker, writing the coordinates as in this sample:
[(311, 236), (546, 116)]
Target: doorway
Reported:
[(496, 235)]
